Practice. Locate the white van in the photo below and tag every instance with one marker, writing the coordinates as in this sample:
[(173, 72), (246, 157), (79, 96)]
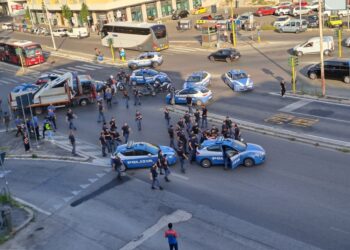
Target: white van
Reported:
[(313, 46), (78, 32)]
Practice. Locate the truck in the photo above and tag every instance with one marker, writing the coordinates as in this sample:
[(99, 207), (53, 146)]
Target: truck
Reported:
[(67, 90), (312, 46)]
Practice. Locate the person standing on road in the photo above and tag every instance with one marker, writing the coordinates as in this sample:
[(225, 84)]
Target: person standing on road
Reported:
[(189, 104), (116, 164), (172, 237), (164, 165), (18, 123), (137, 100), (51, 114), (126, 98), (71, 138), (70, 116), (182, 156), (237, 132), (204, 117), (283, 87), (126, 132), (197, 116), (26, 143), (138, 119), (6, 120), (193, 144), (167, 116), (171, 136), (103, 143), (108, 139), (226, 156), (101, 115), (109, 96), (154, 177)]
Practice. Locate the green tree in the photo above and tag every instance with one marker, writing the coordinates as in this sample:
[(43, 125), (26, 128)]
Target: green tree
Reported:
[(67, 13), (27, 14), (84, 13)]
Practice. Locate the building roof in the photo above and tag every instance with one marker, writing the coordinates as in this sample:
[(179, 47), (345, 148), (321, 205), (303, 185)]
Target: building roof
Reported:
[(132, 24)]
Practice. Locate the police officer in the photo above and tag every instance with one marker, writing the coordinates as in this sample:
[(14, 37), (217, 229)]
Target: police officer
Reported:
[(116, 165), (181, 123), (283, 87), (187, 119), (126, 132), (101, 115), (228, 123), (224, 129), (103, 143), (159, 161), (171, 136), (154, 177), (108, 138), (189, 104), (126, 98), (138, 119), (237, 132), (137, 100), (226, 157), (193, 144), (167, 115), (112, 124), (197, 116), (71, 138), (204, 117), (164, 164), (182, 156)]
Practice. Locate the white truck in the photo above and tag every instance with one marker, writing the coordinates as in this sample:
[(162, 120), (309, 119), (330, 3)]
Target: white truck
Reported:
[(68, 89), (312, 46)]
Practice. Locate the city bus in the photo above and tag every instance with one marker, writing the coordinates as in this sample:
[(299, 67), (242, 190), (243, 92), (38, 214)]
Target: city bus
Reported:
[(135, 36), (12, 51)]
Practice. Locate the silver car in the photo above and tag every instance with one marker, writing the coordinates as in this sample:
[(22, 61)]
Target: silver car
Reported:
[(147, 59)]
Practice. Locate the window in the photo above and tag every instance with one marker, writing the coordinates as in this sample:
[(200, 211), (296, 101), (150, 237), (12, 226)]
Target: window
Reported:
[(183, 92), (139, 152), (105, 30), (214, 148), (159, 31), (128, 153), (60, 85), (192, 91)]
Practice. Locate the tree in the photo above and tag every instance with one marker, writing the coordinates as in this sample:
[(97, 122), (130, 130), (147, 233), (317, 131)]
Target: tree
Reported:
[(67, 13), (27, 14), (84, 13)]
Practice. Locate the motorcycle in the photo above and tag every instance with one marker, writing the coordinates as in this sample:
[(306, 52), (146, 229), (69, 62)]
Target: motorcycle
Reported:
[(121, 86), (147, 89), (163, 87)]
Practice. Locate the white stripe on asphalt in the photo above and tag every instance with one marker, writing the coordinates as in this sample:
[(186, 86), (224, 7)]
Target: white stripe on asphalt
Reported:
[(64, 70), (58, 71), (75, 69), (28, 77), (93, 66), (9, 79), (32, 206), (4, 82), (85, 67), (295, 105)]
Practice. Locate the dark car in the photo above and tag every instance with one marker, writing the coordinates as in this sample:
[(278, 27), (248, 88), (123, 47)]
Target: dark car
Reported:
[(178, 14), (228, 55), (338, 69), (312, 21)]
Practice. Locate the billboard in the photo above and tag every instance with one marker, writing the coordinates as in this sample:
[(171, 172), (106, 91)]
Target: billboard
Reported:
[(335, 4), (17, 10)]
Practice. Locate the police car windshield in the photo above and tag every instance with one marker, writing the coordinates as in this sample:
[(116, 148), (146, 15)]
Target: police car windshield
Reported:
[(239, 76), (193, 79), (241, 145), (152, 146)]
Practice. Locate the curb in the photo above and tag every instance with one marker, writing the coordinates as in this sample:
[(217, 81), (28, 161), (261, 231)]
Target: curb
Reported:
[(26, 222), (49, 157), (329, 99), (281, 133)]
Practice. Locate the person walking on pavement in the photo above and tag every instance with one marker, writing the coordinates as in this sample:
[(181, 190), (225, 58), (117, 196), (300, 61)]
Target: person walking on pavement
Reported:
[(137, 100), (126, 132), (101, 114), (172, 237), (70, 116), (109, 96), (197, 116), (189, 104), (164, 164), (154, 177), (193, 144), (71, 138), (26, 143), (52, 116), (103, 144), (126, 98), (6, 120), (116, 165), (167, 116), (182, 157), (138, 119), (283, 87), (171, 136), (237, 132), (18, 123), (204, 117)]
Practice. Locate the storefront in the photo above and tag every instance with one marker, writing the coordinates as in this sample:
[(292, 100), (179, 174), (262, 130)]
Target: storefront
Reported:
[(136, 14), (197, 3), (166, 7), (120, 14), (182, 5), (151, 10)]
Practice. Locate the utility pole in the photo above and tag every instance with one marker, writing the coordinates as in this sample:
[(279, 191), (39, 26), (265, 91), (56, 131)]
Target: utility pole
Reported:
[(320, 11), (233, 26), (300, 12), (50, 27)]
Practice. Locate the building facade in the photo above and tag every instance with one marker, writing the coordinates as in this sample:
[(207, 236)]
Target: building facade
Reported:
[(103, 11)]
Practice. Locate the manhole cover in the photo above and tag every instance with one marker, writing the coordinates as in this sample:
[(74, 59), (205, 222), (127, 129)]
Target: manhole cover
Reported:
[(321, 112)]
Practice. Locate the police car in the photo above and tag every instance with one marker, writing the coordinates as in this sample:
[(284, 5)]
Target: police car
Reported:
[(143, 154), (200, 95), (197, 79), (238, 80), (143, 76), (210, 153), (147, 59)]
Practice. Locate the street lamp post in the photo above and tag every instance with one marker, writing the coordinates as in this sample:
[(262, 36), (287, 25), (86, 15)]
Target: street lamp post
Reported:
[(50, 27), (300, 12), (233, 27), (323, 82)]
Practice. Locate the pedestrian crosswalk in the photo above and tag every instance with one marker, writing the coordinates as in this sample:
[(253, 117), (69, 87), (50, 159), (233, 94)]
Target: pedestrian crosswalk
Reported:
[(185, 50), (8, 74)]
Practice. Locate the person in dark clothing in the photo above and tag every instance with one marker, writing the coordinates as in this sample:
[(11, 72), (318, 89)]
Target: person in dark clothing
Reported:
[(164, 165), (189, 104), (26, 143), (228, 123), (116, 165), (283, 87), (71, 138), (171, 136), (197, 116), (112, 124), (167, 115), (182, 157), (103, 144), (183, 139), (138, 119), (126, 98), (108, 138), (101, 115), (237, 132), (159, 161), (154, 177), (137, 94), (126, 132), (226, 157), (192, 145), (181, 123), (204, 117), (224, 129), (172, 237), (70, 116)]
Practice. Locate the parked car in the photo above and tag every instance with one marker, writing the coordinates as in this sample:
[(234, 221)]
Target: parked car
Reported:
[(283, 4), (143, 154), (228, 55), (142, 76), (347, 42), (7, 26), (44, 78), (210, 153), (293, 26), (334, 21), (296, 11), (313, 46), (265, 11), (312, 21), (340, 13), (337, 68), (147, 59), (280, 21), (283, 11), (219, 17), (199, 10), (238, 80), (79, 32), (313, 6), (178, 14), (61, 32), (198, 79), (200, 96)]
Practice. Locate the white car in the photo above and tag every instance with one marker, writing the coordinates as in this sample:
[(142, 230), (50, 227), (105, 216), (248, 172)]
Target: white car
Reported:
[(340, 13), (7, 26), (296, 11), (282, 11), (283, 4), (313, 6), (80, 32), (60, 32), (280, 21), (347, 42)]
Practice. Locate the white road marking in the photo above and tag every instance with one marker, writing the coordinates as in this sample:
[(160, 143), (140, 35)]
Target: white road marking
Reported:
[(85, 67), (295, 105), (83, 186), (76, 192), (75, 69), (339, 230), (32, 206), (60, 72), (57, 206), (92, 180), (9, 79), (66, 199), (4, 82), (101, 175), (93, 66), (176, 217), (321, 117), (3, 173)]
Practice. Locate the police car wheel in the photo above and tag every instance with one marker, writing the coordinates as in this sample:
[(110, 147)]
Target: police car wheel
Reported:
[(133, 83), (347, 79), (248, 162), (83, 102), (133, 66), (199, 103), (205, 163), (312, 76), (155, 64)]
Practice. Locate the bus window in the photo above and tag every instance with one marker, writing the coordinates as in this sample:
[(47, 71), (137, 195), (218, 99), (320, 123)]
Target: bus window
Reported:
[(159, 31), (32, 51), (105, 30)]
